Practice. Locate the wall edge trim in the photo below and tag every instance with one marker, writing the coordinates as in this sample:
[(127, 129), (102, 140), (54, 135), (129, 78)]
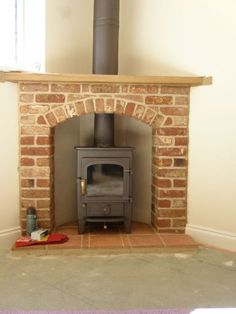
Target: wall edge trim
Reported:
[(212, 237), (9, 231), (9, 236)]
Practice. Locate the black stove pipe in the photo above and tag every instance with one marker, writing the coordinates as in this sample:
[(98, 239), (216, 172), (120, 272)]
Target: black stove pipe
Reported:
[(105, 36), (105, 61)]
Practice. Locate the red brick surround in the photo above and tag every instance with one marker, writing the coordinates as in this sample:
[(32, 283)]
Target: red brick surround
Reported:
[(165, 108)]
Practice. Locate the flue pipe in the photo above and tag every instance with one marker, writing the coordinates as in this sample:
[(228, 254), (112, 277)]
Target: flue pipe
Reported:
[(105, 61)]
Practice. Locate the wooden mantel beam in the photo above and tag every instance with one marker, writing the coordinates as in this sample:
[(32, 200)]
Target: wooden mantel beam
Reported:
[(13, 76)]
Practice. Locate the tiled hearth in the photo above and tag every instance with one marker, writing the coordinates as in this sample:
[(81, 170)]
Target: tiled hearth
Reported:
[(114, 239)]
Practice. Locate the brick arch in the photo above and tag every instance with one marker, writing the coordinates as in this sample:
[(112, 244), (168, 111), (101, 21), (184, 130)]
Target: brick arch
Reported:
[(43, 106), (91, 105)]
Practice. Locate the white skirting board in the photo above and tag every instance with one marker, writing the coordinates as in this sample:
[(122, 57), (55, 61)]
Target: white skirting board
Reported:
[(8, 237), (211, 237)]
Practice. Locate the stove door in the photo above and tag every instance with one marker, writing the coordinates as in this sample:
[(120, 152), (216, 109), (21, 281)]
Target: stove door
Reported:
[(106, 177)]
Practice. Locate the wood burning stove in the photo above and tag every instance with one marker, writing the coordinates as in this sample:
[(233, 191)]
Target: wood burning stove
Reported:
[(104, 185), (104, 172)]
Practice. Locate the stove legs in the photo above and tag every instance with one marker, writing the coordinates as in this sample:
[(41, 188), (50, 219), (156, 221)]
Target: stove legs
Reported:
[(81, 224), (127, 225)]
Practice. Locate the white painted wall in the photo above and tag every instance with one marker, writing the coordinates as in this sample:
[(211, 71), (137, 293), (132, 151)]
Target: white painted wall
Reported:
[(69, 30), (164, 37), (9, 184)]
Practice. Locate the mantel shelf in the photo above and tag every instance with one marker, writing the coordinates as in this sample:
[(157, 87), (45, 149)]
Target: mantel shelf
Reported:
[(13, 76)]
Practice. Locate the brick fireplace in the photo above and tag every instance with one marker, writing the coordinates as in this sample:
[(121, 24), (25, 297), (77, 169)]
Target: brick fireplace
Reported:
[(163, 104)]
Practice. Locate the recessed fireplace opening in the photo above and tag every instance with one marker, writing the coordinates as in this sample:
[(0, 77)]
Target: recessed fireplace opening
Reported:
[(79, 132)]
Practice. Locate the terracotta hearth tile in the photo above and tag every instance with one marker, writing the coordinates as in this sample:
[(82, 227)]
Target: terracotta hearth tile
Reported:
[(85, 241), (104, 232), (141, 228), (125, 240), (74, 242), (67, 230), (145, 241), (142, 236), (178, 240), (105, 241)]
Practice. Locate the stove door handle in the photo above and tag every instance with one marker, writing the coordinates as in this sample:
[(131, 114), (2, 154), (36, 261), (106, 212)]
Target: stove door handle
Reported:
[(83, 186)]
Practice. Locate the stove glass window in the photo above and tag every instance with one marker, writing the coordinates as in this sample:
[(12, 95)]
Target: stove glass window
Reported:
[(105, 179)]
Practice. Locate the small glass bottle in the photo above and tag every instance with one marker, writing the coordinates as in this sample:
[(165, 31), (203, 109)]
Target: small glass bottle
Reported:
[(30, 220)]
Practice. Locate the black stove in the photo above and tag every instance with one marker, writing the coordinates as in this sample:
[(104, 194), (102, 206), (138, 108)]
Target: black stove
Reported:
[(104, 185)]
